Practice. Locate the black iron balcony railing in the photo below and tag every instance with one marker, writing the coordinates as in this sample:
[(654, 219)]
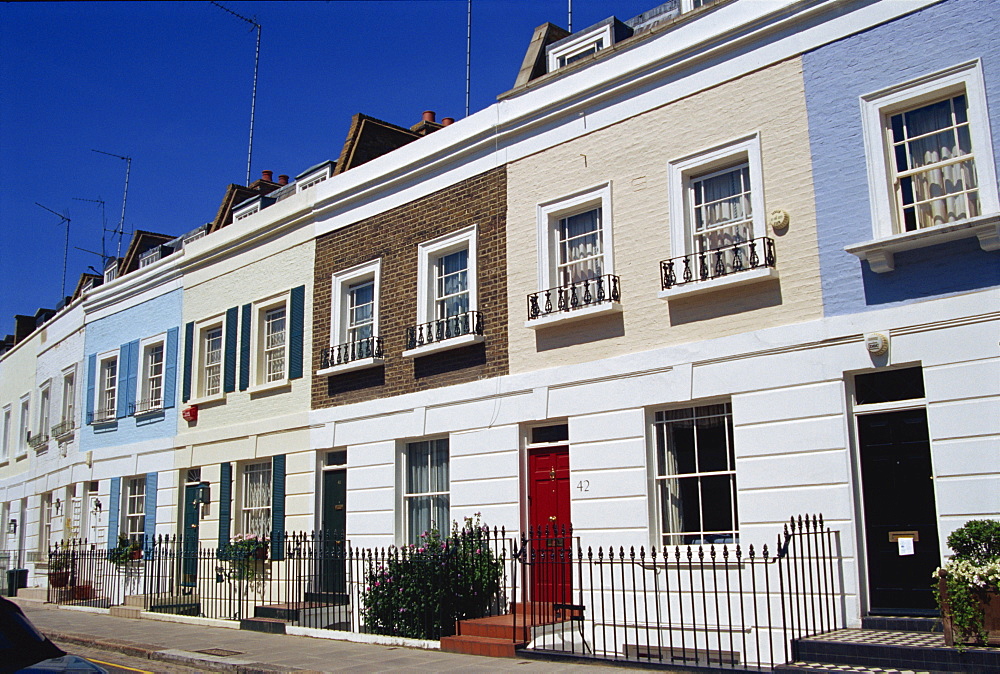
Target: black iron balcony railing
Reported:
[(146, 406), (38, 440), (63, 428), (101, 415), (442, 329), (717, 262), (348, 352), (587, 293)]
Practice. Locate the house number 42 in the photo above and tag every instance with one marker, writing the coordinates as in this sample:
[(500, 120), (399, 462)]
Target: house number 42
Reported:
[(583, 485)]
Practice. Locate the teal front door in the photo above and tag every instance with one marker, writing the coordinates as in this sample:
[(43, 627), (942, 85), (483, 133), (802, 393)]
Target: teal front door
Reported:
[(333, 571)]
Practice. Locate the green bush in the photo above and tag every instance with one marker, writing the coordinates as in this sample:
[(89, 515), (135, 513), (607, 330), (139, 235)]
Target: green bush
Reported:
[(419, 591), (978, 541)]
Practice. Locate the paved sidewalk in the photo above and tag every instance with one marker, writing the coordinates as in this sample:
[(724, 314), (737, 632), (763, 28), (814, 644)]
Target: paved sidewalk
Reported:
[(257, 652)]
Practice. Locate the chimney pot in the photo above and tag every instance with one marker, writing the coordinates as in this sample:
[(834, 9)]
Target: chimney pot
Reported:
[(447, 121), (428, 115), (267, 175), (282, 179)]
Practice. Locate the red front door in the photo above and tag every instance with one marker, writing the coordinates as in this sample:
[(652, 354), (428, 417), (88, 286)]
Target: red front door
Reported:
[(549, 519)]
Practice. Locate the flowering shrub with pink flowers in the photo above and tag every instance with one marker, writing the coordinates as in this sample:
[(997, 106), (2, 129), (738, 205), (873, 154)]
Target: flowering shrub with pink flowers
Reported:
[(419, 591)]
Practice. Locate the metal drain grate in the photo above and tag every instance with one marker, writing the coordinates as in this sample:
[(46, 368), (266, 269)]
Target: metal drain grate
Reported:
[(221, 652)]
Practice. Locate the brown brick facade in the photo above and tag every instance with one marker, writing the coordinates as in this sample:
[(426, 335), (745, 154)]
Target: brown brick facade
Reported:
[(394, 236)]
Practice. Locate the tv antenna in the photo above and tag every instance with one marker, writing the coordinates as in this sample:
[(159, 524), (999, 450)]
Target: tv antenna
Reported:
[(570, 16), (256, 64), (104, 224), (468, 57), (64, 218), (121, 223)]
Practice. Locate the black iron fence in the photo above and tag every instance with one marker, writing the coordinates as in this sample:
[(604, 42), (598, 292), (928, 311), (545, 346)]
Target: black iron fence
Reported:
[(728, 606), (717, 262), (573, 296)]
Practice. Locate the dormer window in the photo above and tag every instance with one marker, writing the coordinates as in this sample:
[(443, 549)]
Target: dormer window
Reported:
[(247, 213), (576, 47), (111, 273), (153, 255), (314, 176), (195, 235)]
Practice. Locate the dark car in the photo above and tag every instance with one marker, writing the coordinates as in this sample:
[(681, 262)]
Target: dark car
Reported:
[(24, 649)]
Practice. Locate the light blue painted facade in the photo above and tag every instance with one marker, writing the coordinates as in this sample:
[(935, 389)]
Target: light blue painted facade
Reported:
[(836, 76), (157, 316)]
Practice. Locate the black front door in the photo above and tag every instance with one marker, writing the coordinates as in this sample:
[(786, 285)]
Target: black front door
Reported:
[(333, 571), (898, 491), (189, 541)]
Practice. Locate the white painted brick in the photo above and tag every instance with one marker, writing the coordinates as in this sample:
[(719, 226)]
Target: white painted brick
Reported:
[(608, 426), (966, 456), (799, 435), (609, 454), (811, 400), (970, 496), (962, 380), (964, 419)]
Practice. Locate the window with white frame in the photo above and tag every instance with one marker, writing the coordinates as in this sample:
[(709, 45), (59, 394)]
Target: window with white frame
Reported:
[(717, 210), (575, 237), (44, 411), (24, 425), (106, 389), (151, 380), (46, 514), (5, 439), (256, 499), (695, 475), (574, 48), (270, 342), (68, 398), (447, 300), (135, 507), (930, 155), (354, 336), (210, 365), (426, 499)]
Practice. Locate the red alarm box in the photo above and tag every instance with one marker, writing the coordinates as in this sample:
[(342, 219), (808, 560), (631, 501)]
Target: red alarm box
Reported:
[(190, 413)]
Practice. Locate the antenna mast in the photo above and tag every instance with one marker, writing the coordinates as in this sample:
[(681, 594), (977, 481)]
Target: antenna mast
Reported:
[(256, 64), (468, 58), (121, 223), (104, 225), (570, 18), (65, 218)]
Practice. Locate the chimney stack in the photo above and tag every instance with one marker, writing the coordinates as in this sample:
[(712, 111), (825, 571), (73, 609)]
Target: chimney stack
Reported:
[(267, 175), (447, 121), (282, 179)]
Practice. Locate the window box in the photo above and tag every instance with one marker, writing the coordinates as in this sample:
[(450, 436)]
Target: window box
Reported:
[(736, 264), (931, 171), (143, 407), (444, 334), (587, 299), (350, 356)]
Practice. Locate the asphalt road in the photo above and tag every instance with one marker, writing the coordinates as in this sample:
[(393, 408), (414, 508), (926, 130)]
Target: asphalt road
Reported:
[(116, 663)]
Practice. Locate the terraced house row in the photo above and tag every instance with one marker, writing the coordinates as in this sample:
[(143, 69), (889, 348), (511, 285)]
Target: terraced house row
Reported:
[(696, 272)]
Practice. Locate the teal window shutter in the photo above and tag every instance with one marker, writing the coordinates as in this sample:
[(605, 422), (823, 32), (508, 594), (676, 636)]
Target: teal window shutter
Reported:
[(225, 503), (295, 330), (278, 507), (114, 510), (131, 384), (170, 369), (91, 385), (229, 375), (121, 405), (149, 499), (245, 347), (188, 356)]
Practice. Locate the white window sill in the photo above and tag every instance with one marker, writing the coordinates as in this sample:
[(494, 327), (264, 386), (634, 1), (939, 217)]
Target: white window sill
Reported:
[(204, 400), (269, 386), (879, 252), (730, 280), (443, 345), (359, 364), (583, 313)]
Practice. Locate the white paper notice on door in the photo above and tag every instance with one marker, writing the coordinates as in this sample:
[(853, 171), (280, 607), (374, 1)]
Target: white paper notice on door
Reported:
[(905, 544)]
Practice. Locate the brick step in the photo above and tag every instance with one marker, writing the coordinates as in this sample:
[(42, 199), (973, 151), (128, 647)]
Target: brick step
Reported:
[(497, 627), (269, 625), (887, 649), (473, 645)]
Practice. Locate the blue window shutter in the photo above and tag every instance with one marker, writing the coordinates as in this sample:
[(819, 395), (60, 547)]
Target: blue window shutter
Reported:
[(245, 347), (114, 509), (225, 503), (91, 385), (121, 406), (170, 369), (188, 356), (229, 377), (295, 328), (278, 507), (150, 503), (131, 389)]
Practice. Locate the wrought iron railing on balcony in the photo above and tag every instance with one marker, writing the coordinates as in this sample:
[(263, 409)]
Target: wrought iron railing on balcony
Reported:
[(349, 352), (38, 440), (442, 329), (574, 296), (146, 406), (101, 415), (63, 428), (717, 262)]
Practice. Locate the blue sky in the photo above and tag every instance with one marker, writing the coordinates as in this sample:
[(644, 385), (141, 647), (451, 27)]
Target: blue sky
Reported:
[(169, 84)]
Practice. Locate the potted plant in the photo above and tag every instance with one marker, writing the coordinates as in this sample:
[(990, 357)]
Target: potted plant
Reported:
[(60, 564), (968, 585), (125, 551), (243, 552)]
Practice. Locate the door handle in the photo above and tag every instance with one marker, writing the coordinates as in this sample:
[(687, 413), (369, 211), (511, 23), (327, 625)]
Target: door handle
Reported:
[(552, 518)]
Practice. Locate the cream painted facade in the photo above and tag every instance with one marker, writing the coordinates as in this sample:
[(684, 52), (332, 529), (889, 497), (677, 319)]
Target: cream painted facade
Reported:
[(633, 156)]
